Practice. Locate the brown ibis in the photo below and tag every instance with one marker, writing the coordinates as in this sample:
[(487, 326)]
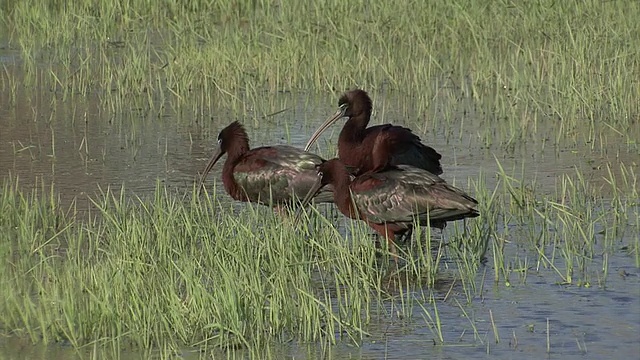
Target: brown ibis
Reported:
[(269, 175), (390, 200), (356, 140)]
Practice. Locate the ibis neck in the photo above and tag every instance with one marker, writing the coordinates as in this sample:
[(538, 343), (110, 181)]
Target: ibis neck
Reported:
[(351, 138), (342, 198), (353, 129), (228, 180)]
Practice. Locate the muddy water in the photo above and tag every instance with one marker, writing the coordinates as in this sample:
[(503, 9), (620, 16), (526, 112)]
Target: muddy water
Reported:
[(81, 148)]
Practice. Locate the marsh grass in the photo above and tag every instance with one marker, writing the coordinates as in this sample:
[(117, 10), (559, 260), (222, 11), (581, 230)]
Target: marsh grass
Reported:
[(572, 64), (171, 270), (573, 231)]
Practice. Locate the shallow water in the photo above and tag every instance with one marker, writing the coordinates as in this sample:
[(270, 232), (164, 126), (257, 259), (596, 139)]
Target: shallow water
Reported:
[(82, 149)]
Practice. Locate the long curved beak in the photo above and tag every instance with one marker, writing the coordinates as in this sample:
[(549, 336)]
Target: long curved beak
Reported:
[(214, 159), (335, 117), (307, 199)]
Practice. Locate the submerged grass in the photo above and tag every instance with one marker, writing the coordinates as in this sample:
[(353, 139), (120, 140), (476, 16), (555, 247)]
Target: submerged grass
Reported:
[(573, 232)]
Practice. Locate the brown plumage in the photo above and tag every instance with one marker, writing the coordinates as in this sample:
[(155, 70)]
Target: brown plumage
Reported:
[(392, 199), (269, 175), (356, 140)]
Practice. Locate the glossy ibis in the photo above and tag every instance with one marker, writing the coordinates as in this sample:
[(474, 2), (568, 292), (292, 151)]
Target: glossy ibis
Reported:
[(392, 199), (356, 140), (269, 175)]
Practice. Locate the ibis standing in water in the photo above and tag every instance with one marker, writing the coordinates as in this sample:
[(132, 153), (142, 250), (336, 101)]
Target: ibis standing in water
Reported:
[(270, 175), (392, 199), (356, 140)]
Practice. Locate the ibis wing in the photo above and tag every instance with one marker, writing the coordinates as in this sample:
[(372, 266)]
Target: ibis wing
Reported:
[(401, 195), (405, 147), (276, 173)]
